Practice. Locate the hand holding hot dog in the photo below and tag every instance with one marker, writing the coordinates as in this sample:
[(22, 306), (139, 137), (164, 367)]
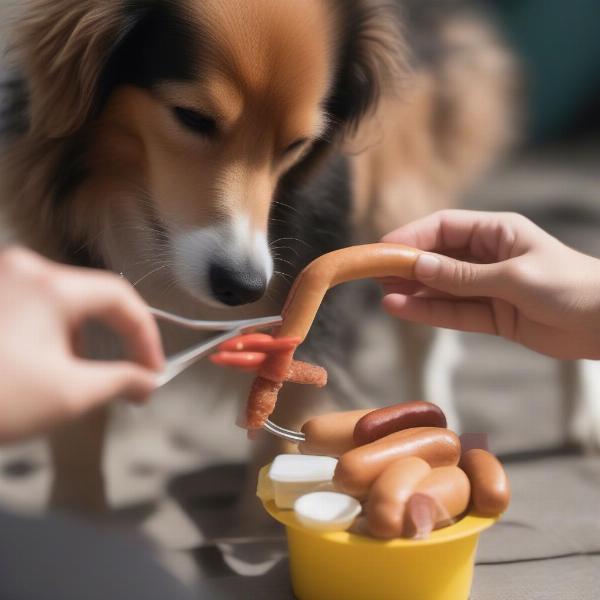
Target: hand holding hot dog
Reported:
[(499, 273)]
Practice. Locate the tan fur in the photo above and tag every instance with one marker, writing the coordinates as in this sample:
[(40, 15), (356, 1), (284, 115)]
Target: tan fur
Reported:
[(421, 151), (63, 45)]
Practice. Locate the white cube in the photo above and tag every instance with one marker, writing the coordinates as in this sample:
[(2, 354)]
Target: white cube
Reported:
[(294, 475)]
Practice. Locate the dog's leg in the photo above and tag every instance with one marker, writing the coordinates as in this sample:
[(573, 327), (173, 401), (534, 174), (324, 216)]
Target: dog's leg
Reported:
[(431, 358), (77, 452), (581, 402)]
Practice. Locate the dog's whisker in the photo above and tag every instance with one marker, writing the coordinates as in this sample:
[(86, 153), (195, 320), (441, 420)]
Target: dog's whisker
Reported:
[(159, 268), (273, 250), (286, 206), (290, 239)]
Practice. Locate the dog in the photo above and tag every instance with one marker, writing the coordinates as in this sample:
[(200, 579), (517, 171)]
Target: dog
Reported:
[(208, 150)]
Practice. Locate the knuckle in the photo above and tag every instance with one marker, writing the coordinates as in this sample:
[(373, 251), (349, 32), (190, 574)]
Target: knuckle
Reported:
[(524, 271), (518, 220), (55, 285), (69, 404), (112, 282), (121, 290), (463, 274), (444, 214), (18, 259)]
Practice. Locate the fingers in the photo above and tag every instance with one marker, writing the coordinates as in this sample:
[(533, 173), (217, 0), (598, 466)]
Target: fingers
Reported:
[(401, 286), (443, 230), (479, 236), (460, 278), (98, 383), (468, 316), (90, 295)]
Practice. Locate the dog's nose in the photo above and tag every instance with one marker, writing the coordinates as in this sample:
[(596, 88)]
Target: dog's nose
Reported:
[(234, 287)]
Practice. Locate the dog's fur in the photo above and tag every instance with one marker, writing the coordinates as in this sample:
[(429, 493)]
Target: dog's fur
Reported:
[(316, 123)]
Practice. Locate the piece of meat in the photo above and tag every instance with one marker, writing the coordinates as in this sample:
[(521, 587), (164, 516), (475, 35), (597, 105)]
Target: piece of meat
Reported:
[(376, 261)]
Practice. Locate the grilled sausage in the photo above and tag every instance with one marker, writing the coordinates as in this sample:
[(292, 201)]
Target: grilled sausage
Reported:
[(349, 264), (389, 494), (439, 499), (489, 483), (385, 421), (332, 434), (359, 468)]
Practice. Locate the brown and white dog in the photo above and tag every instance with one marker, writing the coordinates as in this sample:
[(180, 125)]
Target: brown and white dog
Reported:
[(208, 149)]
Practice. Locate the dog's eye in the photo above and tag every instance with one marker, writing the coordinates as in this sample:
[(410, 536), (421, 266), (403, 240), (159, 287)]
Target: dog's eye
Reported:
[(197, 122), (295, 146)]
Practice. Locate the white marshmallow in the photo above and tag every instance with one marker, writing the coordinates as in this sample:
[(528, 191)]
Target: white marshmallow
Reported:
[(327, 511)]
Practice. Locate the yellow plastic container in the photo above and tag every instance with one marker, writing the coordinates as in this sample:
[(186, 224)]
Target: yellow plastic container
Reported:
[(343, 566)]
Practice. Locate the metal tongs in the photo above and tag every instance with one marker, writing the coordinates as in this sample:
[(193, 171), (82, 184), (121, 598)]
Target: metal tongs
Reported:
[(178, 363)]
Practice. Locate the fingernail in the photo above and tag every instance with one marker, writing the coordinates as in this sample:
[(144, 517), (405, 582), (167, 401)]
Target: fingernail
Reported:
[(428, 266)]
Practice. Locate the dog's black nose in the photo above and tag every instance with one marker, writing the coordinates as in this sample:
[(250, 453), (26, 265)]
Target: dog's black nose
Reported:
[(234, 287)]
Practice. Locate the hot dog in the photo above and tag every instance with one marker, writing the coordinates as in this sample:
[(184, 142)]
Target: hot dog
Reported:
[(332, 434), (389, 494), (349, 264), (490, 487), (438, 499), (385, 421), (359, 468)]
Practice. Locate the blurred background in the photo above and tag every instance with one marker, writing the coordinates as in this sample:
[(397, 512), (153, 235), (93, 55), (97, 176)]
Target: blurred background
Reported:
[(163, 482)]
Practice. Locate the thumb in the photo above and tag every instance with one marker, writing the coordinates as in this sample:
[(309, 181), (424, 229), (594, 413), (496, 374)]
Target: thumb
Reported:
[(100, 383), (458, 277)]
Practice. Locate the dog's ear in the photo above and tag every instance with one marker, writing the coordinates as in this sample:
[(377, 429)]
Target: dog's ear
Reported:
[(373, 58), (73, 51), (62, 47)]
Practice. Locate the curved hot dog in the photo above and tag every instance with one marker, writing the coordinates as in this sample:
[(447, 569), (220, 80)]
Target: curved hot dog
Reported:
[(332, 434), (389, 494), (349, 264), (438, 499), (385, 421), (490, 487), (359, 468)]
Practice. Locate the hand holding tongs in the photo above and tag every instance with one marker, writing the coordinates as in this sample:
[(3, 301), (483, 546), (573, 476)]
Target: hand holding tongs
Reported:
[(183, 360), (178, 363)]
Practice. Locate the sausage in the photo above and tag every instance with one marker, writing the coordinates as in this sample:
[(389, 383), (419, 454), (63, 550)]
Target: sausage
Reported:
[(438, 499), (304, 300), (264, 392), (389, 494), (264, 397), (359, 468), (332, 434), (385, 421), (330, 270), (490, 485), (306, 374)]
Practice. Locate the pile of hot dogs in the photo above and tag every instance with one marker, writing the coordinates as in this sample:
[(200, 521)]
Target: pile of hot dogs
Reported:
[(402, 463), (407, 469)]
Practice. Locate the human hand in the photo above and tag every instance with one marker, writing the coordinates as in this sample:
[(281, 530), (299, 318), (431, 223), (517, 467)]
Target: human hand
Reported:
[(499, 273), (43, 306)]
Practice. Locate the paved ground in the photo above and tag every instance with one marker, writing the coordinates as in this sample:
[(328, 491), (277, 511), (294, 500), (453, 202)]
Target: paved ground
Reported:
[(159, 465)]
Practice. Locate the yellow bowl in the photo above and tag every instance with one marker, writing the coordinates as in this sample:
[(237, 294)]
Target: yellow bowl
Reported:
[(344, 566)]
